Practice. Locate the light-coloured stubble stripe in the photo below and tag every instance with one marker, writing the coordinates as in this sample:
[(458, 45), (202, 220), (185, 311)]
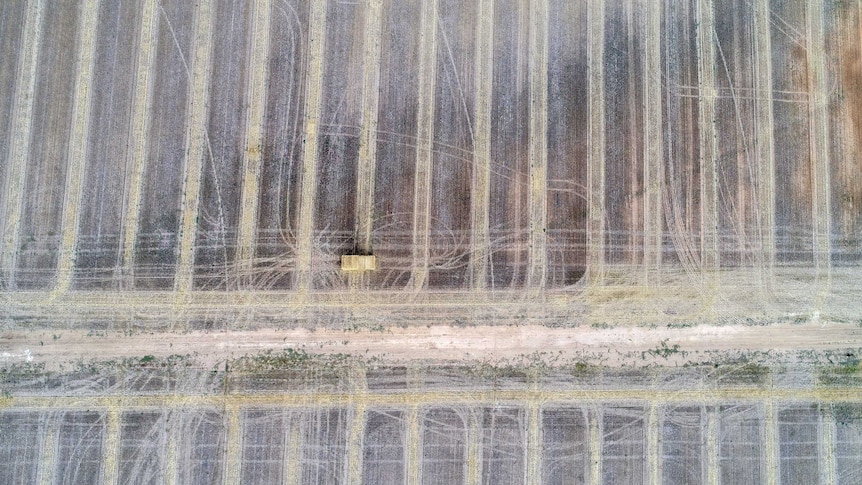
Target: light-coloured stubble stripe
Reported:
[(534, 444), (172, 449), (49, 451), (770, 448), (818, 117), (414, 446), (139, 131), (596, 220), (474, 449), (538, 201), (293, 459), (256, 102), (308, 193), (355, 444), (481, 189), (653, 448), (595, 423), (424, 143), (827, 445), (233, 450), (764, 149), (708, 150), (19, 146), (356, 431), (711, 449), (368, 134), (653, 162), (112, 447), (76, 157), (195, 145)]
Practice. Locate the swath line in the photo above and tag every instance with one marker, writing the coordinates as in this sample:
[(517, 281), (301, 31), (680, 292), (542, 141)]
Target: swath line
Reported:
[(596, 219), (49, 452), (708, 150), (138, 135), (414, 449), (110, 469), (653, 432), (474, 451), (538, 202), (355, 438), (827, 445), (77, 154), (818, 117), (770, 424), (764, 149), (595, 418), (534, 444), (712, 448), (293, 458), (314, 79), (19, 146), (425, 132), (368, 133), (195, 143), (481, 188), (653, 161), (256, 101), (233, 459)]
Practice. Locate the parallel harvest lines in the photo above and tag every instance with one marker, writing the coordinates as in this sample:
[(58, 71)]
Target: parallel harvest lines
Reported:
[(19, 145), (196, 142), (139, 133), (77, 144)]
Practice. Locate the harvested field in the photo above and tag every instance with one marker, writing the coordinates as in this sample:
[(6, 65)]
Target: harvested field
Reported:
[(615, 241)]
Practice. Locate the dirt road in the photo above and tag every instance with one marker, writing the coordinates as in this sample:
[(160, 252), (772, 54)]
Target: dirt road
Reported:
[(615, 346)]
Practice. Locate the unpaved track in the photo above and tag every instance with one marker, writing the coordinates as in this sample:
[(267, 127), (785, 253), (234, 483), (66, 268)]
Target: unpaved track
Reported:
[(616, 346)]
